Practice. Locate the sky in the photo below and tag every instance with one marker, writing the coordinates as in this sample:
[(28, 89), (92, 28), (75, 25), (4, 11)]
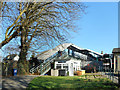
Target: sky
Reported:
[(98, 28)]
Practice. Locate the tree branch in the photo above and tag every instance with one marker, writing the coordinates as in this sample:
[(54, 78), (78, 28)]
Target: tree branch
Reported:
[(6, 36), (8, 39)]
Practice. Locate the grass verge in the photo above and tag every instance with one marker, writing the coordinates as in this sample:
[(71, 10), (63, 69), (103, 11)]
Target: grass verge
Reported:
[(67, 82)]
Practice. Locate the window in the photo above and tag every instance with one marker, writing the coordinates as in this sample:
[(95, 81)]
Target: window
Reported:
[(58, 66), (65, 67), (75, 63), (71, 64), (61, 61), (116, 61)]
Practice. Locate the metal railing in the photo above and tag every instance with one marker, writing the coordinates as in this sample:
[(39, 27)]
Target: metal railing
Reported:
[(46, 65), (42, 67)]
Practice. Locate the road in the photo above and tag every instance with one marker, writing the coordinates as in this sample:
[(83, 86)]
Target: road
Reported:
[(16, 82)]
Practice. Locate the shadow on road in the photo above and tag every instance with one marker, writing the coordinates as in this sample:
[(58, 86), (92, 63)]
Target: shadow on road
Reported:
[(16, 82)]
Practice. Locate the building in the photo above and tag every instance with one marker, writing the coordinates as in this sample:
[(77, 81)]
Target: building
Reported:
[(11, 57), (69, 65), (9, 63), (108, 62), (116, 53), (67, 57)]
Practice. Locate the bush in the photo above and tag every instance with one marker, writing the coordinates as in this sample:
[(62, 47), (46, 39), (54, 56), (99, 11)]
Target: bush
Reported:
[(68, 73)]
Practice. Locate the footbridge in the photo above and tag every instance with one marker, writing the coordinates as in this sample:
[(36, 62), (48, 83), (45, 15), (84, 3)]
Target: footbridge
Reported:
[(63, 51)]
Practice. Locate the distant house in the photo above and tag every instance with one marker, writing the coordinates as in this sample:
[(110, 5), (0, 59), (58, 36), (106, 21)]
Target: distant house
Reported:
[(11, 57), (9, 63), (116, 53)]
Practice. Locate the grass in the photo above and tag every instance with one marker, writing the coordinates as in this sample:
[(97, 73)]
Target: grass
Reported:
[(66, 82)]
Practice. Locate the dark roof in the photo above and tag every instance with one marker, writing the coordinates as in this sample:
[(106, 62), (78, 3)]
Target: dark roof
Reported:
[(34, 60), (62, 59), (10, 57), (116, 50)]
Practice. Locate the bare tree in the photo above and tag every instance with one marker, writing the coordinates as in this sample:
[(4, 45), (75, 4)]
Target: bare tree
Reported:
[(37, 24)]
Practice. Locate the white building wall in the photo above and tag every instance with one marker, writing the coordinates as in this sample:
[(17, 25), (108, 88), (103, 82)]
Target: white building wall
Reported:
[(73, 65), (16, 58), (76, 64)]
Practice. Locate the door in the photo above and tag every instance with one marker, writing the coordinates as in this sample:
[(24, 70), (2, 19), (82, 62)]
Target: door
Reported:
[(71, 71)]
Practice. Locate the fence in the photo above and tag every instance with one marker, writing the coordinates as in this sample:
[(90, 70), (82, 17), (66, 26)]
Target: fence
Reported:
[(114, 77)]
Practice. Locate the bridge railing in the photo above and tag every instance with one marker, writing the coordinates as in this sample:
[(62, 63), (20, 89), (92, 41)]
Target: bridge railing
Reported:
[(42, 67), (47, 63)]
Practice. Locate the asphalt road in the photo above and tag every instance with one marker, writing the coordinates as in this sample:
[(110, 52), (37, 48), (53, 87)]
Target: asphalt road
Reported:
[(16, 82)]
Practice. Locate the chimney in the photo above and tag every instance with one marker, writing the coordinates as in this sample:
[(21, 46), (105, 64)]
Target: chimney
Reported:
[(101, 52)]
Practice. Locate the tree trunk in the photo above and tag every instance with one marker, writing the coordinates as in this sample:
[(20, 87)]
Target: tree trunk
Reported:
[(23, 65)]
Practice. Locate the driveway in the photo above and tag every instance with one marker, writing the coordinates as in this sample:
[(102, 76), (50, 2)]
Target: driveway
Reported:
[(17, 82)]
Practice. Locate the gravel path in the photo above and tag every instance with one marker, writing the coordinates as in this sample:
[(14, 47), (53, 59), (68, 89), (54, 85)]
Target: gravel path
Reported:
[(16, 82)]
